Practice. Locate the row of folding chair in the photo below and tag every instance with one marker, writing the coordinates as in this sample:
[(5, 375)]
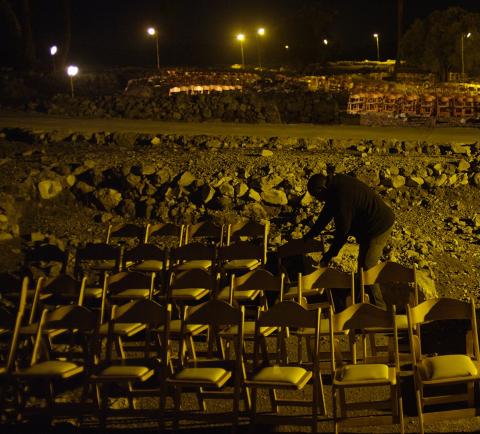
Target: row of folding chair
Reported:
[(220, 371)]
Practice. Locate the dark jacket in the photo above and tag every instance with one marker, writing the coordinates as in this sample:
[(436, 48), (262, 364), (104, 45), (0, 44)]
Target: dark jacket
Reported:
[(356, 210)]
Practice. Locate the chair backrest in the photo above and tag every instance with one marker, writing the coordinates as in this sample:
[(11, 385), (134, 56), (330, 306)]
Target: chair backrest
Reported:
[(124, 231), (95, 253), (258, 279), (391, 275), (358, 317), (207, 231), (12, 322), (326, 278), (193, 251), (47, 253), (130, 280), (154, 316), (242, 250), (144, 252), (65, 287), (216, 314), (165, 234), (194, 278), (248, 229), (443, 309)]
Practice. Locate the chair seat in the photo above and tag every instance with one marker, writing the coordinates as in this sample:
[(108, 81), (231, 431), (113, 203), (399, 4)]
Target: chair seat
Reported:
[(242, 264), (248, 330), (286, 376), (131, 293), (31, 329), (123, 373), (400, 319), (367, 372), (448, 366), (293, 292), (148, 265), (192, 329), (51, 368), (122, 329), (104, 265), (93, 292), (189, 293), (247, 295), (204, 264), (208, 376)]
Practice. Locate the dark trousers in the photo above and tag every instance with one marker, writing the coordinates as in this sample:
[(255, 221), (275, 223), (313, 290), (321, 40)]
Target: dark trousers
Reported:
[(371, 250)]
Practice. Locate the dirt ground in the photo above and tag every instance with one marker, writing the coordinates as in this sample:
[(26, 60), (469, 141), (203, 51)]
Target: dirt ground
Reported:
[(451, 256)]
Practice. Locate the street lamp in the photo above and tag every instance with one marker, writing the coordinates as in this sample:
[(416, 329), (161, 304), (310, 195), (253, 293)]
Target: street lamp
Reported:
[(72, 71), (325, 42), (53, 51), (152, 32), (463, 60), (241, 38), (377, 37), (260, 33)]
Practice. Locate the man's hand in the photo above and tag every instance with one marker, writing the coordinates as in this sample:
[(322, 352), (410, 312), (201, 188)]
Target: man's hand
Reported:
[(323, 263)]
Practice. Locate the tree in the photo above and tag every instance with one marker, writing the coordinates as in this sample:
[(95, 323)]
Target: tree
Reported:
[(435, 44)]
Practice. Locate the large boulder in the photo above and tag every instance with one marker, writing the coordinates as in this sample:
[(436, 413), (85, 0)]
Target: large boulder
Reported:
[(108, 198), (274, 197), (49, 188)]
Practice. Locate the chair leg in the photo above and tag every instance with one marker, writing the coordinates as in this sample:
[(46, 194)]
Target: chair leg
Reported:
[(334, 410), (419, 411), (177, 406)]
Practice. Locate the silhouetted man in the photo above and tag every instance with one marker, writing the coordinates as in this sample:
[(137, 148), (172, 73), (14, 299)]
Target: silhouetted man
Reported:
[(356, 210)]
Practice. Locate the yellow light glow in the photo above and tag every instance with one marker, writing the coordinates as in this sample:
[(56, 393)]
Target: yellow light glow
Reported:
[(286, 47), (53, 50), (240, 37), (325, 42), (261, 31), (151, 31), (469, 34), (375, 35), (72, 70)]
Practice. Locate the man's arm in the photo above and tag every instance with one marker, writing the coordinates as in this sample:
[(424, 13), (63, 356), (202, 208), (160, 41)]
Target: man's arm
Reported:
[(323, 219), (343, 222)]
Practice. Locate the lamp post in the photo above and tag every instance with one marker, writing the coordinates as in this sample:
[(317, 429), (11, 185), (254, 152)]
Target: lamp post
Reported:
[(72, 71), (377, 37), (462, 53), (153, 32), (260, 34), (53, 52), (241, 38)]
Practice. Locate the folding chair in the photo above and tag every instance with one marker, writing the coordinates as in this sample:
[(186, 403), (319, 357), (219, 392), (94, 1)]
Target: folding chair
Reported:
[(10, 323), (444, 378), (219, 375), (97, 257), (125, 232), (56, 366), (144, 373), (400, 288), (285, 374), (48, 259), (193, 255), (348, 376)]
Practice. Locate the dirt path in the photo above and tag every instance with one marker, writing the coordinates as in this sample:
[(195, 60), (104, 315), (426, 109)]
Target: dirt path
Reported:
[(353, 132)]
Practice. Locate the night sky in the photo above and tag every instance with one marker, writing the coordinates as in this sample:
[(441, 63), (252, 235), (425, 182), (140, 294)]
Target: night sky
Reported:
[(202, 32)]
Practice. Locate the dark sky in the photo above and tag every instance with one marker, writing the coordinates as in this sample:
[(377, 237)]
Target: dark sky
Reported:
[(202, 32)]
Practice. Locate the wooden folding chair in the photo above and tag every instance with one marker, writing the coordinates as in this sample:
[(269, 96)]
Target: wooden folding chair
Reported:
[(286, 374), (193, 255), (357, 376), (444, 378), (205, 232), (57, 366), (142, 373), (165, 234), (125, 232), (218, 375)]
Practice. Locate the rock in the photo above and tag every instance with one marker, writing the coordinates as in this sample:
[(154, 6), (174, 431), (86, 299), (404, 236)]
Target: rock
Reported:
[(307, 199), (226, 189), (270, 181), (108, 198), (463, 165), (396, 181), (49, 188), (155, 141), (426, 286), (254, 195), (70, 180), (476, 179), (148, 169), (441, 180), (414, 181), (274, 197), (5, 236), (460, 148), (241, 189), (266, 153), (186, 179), (84, 188)]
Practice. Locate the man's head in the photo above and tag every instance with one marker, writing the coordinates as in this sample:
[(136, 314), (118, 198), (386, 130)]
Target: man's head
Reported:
[(317, 186)]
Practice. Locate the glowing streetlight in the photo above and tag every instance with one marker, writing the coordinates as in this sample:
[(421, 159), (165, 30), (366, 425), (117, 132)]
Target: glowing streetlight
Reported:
[(72, 71), (287, 47), (377, 37), (325, 42), (153, 32), (53, 51), (463, 60), (260, 34), (241, 38)]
